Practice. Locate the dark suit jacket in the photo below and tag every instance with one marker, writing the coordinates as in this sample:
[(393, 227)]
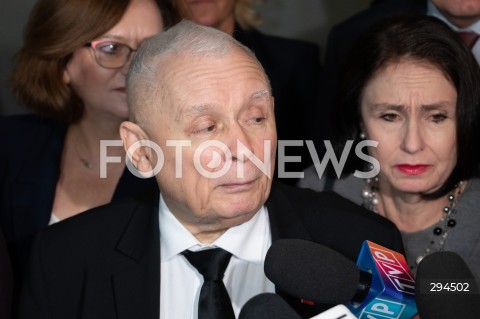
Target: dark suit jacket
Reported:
[(106, 263), (6, 281), (293, 67), (340, 39), (29, 173)]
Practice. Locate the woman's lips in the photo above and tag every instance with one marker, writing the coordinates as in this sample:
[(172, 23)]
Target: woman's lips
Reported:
[(201, 1), (413, 169)]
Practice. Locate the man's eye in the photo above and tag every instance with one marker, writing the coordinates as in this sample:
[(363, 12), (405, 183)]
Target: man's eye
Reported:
[(258, 120), (207, 129)]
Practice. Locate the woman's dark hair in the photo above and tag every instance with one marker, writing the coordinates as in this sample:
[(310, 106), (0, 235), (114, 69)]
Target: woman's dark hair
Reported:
[(422, 39), (55, 29)]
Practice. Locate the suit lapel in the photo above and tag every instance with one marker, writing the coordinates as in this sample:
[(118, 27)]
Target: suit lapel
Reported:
[(285, 223), (34, 188), (136, 281), (283, 215)]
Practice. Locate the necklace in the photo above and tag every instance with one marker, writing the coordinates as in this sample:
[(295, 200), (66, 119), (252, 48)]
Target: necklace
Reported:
[(84, 161), (440, 232)]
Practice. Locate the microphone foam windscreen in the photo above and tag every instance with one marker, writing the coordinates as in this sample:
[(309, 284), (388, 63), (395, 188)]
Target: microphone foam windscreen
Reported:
[(311, 271), (267, 306), (446, 288)]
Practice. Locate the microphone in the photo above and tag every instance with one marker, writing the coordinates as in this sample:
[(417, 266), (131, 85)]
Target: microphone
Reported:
[(392, 290), (267, 306), (446, 288), (310, 271), (337, 312), (380, 285)]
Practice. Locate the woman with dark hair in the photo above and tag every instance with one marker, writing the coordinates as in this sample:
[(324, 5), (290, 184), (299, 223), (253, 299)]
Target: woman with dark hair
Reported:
[(413, 87), (70, 72)]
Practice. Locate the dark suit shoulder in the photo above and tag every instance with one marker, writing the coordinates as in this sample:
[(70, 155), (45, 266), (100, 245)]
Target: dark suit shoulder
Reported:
[(330, 203), (100, 226), (28, 128), (28, 121), (339, 223), (102, 261)]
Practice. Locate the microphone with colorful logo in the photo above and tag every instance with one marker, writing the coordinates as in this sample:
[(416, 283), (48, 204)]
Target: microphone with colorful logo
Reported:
[(380, 285), (392, 286)]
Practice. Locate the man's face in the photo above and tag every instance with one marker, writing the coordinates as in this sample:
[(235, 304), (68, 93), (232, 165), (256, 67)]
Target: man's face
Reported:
[(462, 13), (215, 103)]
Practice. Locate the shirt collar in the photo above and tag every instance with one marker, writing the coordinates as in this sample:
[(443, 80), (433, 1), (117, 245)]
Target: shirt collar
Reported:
[(245, 241), (434, 12), (174, 237)]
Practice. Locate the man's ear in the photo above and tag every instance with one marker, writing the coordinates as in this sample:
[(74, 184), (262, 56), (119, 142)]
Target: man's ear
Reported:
[(130, 134)]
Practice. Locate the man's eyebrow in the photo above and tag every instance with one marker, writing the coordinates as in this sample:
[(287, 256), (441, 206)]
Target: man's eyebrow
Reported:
[(260, 94), (196, 109), (192, 110)]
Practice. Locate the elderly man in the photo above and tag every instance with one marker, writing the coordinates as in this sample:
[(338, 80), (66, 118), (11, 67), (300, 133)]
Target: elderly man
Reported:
[(202, 121)]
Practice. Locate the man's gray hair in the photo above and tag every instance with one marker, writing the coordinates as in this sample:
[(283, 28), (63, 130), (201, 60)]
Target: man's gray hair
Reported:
[(145, 83)]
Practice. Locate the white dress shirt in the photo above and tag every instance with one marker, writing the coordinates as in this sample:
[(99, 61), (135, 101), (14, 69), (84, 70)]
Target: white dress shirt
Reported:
[(244, 277), (433, 11)]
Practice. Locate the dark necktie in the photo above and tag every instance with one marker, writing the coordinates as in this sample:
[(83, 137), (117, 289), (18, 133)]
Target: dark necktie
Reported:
[(214, 302), (468, 37)]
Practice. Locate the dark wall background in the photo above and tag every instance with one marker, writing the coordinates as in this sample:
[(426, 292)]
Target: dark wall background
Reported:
[(303, 19)]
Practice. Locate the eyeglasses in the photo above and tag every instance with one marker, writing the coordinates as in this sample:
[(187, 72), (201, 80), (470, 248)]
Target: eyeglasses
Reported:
[(109, 54)]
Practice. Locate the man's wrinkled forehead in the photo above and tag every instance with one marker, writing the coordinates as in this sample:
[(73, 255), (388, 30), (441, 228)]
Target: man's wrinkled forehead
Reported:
[(177, 72), (169, 62), (191, 110)]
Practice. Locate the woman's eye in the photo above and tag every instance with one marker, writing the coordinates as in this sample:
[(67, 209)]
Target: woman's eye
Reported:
[(110, 48), (389, 117), (439, 117)]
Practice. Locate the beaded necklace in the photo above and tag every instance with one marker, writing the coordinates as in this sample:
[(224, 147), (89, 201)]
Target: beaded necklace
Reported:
[(440, 233)]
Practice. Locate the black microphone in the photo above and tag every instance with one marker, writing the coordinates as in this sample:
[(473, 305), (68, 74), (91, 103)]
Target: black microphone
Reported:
[(380, 285), (267, 306), (313, 272), (446, 288)]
